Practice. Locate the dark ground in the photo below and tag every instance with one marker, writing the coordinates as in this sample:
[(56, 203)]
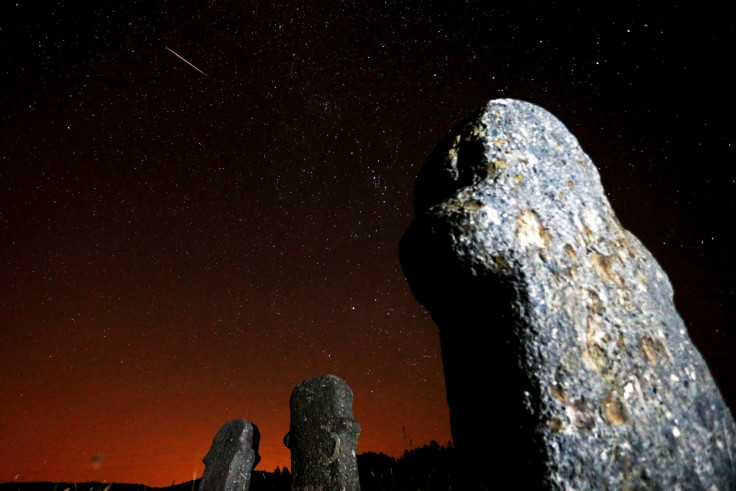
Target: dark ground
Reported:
[(425, 468)]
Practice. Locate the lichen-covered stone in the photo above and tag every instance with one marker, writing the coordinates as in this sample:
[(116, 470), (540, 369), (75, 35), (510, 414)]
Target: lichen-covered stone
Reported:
[(559, 317), (323, 436), (230, 461)]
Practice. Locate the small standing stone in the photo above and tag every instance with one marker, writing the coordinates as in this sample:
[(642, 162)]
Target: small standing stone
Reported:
[(230, 461), (323, 436), (566, 363)]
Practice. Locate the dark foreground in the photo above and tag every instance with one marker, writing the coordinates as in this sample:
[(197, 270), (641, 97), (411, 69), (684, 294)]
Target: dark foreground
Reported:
[(431, 467)]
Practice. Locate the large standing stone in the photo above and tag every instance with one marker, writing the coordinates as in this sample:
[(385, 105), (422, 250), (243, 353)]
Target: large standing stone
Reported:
[(566, 364), (230, 461), (323, 436)]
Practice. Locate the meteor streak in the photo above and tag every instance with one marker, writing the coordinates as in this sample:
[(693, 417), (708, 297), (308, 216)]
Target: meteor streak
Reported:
[(186, 61)]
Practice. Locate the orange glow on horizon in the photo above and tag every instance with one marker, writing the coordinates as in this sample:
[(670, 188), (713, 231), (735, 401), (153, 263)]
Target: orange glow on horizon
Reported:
[(158, 461), (126, 437)]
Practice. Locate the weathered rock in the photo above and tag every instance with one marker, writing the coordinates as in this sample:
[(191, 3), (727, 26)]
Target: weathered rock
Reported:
[(230, 461), (549, 307), (323, 436)]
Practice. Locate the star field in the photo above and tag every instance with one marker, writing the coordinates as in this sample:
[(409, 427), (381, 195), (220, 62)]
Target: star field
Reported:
[(181, 249)]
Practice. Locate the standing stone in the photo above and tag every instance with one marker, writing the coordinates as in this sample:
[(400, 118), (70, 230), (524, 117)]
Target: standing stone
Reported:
[(230, 461), (323, 436), (566, 364)]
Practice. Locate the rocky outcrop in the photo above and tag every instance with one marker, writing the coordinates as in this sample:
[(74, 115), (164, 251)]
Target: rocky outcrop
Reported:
[(323, 436), (566, 363), (230, 461)]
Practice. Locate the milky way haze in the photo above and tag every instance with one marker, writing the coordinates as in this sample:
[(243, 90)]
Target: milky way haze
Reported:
[(186, 238)]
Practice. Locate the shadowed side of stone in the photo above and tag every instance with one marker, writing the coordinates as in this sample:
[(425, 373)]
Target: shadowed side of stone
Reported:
[(230, 461), (323, 436), (548, 307)]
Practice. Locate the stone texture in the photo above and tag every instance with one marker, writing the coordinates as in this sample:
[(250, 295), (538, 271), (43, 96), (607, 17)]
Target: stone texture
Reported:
[(548, 307), (323, 436), (230, 461)]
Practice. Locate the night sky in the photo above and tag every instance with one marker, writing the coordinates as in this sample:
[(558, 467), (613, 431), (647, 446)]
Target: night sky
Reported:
[(178, 249)]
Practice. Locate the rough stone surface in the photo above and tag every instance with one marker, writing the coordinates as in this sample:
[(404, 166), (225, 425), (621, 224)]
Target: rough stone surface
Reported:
[(323, 436), (551, 309), (230, 461)]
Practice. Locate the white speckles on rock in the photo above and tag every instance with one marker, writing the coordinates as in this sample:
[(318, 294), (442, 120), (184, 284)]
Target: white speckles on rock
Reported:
[(535, 285), (530, 232), (628, 390), (591, 220), (492, 215)]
